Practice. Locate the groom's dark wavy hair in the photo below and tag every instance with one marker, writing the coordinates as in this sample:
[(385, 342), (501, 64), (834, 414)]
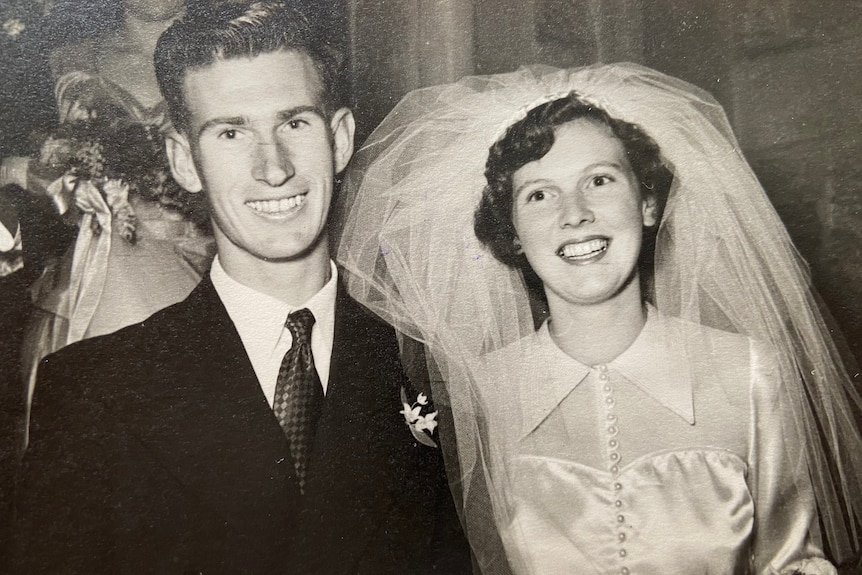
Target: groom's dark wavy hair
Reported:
[(245, 30)]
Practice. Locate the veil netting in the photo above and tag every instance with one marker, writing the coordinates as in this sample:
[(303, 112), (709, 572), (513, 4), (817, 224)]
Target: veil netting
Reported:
[(723, 260)]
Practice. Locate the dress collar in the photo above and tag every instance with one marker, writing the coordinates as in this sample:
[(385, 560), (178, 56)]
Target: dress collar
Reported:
[(656, 363)]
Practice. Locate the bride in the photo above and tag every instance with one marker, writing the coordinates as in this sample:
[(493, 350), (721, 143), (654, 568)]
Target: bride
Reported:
[(682, 408)]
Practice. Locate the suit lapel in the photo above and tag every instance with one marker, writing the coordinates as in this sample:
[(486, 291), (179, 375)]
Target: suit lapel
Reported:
[(215, 434), (218, 436), (351, 483)]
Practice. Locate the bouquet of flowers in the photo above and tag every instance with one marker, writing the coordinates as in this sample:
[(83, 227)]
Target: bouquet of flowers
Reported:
[(104, 159)]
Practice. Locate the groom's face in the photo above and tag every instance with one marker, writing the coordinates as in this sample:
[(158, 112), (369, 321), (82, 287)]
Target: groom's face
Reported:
[(261, 147)]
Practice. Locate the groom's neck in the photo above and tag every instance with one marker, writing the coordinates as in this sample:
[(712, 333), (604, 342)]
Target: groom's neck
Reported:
[(293, 281)]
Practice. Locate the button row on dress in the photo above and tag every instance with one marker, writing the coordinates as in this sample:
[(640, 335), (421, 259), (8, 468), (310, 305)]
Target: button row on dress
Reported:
[(610, 403), (621, 536), (614, 456)]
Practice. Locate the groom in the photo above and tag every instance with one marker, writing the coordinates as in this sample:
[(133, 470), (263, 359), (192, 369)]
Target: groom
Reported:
[(256, 426)]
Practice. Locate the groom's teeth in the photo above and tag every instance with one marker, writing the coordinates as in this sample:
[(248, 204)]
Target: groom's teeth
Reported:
[(276, 206), (584, 250)]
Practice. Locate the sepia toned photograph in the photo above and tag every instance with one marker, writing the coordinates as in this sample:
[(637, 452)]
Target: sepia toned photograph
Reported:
[(479, 287)]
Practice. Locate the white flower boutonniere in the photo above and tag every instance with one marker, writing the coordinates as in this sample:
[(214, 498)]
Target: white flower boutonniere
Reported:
[(420, 418)]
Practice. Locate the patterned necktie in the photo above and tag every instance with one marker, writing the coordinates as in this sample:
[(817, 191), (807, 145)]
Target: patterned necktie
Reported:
[(298, 393)]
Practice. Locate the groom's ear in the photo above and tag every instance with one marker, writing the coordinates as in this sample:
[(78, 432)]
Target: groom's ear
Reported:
[(343, 126), (182, 162)]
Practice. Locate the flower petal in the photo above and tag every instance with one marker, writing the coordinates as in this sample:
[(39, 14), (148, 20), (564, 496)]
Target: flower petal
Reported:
[(411, 414)]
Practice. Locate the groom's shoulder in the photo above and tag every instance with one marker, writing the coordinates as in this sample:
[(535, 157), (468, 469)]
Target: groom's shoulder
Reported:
[(353, 316), (166, 334)]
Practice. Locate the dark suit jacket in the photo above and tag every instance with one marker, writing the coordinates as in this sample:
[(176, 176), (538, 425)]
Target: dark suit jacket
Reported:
[(153, 450)]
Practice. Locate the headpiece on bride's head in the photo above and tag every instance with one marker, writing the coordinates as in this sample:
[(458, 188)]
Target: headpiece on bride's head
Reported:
[(722, 259)]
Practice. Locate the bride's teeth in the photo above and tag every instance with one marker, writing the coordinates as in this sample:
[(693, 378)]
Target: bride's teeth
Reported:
[(589, 248), (275, 206)]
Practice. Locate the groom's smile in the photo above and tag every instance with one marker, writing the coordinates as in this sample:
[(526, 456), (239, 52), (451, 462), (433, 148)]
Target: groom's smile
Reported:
[(283, 207), (264, 152)]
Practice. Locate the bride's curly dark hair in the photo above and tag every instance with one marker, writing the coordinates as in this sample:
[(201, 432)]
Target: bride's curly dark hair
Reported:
[(529, 140)]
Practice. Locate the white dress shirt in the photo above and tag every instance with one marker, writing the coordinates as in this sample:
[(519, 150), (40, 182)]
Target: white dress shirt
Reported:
[(260, 320)]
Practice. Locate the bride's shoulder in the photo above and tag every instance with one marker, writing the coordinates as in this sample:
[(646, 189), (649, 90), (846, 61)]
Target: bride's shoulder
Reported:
[(506, 367), (695, 336), (719, 356)]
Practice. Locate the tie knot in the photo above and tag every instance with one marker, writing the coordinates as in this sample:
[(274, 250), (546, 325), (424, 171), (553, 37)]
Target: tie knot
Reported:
[(299, 323)]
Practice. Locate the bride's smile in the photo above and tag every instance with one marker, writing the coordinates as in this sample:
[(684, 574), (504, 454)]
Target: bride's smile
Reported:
[(579, 215)]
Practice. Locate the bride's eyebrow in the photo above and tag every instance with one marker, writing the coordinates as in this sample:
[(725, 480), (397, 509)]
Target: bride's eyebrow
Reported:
[(614, 165), (530, 183)]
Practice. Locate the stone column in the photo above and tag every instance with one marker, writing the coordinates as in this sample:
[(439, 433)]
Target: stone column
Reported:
[(445, 42), (400, 45)]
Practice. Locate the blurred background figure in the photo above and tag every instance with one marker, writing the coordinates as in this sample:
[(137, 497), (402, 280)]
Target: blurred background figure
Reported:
[(26, 103), (98, 234), (138, 248)]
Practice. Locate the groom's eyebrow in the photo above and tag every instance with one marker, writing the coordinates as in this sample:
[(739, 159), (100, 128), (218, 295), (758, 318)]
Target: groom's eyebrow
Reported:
[(282, 116), (285, 115), (229, 121)]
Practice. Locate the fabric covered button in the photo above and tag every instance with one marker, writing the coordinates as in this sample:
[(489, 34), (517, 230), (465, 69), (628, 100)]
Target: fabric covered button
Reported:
[(621, 537), (621, 518), (618, 486), (618, 503), (624, 571), (623, 553)]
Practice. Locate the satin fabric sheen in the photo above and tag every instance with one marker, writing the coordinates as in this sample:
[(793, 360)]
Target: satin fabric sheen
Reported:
[(671, 459)]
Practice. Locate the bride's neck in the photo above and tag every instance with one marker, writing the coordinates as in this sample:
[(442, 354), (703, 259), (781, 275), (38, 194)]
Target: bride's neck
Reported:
[(598, 333)]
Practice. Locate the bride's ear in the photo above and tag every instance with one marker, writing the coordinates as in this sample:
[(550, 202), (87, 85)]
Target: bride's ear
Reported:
[(182, 163), (649, 210)]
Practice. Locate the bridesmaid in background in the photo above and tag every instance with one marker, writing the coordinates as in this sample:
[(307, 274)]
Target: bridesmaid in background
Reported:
[(106, 280)]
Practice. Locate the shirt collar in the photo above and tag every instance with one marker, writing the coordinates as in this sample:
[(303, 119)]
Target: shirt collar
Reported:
[(260, 318), (655, 362)]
